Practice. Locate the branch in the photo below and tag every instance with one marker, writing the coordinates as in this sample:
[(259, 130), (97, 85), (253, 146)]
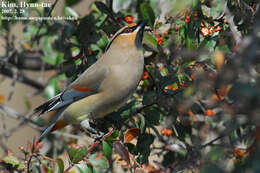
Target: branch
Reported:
[(29, 61), (21, 78), (236, 34)]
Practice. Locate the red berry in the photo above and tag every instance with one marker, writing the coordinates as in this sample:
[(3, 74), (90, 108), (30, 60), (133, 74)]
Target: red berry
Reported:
[(129, 19)]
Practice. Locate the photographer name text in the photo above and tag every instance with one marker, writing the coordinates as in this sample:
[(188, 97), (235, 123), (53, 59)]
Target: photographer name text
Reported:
[(23, 4)]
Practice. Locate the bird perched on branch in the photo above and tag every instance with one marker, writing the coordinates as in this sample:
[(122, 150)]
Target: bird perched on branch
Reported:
[(103, 87)]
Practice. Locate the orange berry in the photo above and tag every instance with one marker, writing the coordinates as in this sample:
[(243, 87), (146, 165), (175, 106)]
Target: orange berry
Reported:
[(166, 132), (182, 84), (145, 75), (239, 152), (191, 113), (217, 29), (215, 97), (209, 112), (187, 20), (166, 33), (159, 40), (210, 30), (129, 19), (195, 15), (192, 76), (2, 98)]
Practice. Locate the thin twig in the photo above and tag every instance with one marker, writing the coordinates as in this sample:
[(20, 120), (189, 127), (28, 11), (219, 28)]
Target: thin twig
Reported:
[(236, 34), (21, 78), (212, 141), (68, 135), (43, 22)]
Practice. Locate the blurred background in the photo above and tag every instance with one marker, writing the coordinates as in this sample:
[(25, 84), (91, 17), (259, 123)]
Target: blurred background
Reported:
[(20, 93), (196, 108)]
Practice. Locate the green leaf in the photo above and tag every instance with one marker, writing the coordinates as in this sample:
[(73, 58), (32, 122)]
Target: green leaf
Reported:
[(113, 136), (70, 12), (150, 41), (47, 46), (77, 154), (102, 42), (59, 166), (52, 89), (10, 159), (152, 115), (99, 162), (59, 58), (190, 43), (103, 8), (217, 9), (49, 60), (131, 148), (216, 153), (143, 146), (107, 148), (83, 168), (147, 13), (208, 43)]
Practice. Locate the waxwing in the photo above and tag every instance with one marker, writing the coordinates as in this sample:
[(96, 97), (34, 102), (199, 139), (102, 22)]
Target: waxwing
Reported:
[(103, 87)]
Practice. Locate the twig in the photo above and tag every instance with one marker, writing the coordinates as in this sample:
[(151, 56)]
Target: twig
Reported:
[(138, 111), (236, 34), (43, 22), (68, 135), (16, 115), (12, 88), (4, 122), (212, 141), (3, 146), (27, 61), (21, 78), (158, 134)]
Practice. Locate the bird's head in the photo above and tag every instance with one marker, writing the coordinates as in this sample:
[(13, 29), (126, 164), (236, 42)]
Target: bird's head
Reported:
[(128, 36)]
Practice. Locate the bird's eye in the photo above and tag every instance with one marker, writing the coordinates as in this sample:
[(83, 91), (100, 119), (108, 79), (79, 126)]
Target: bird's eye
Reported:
[(128, 30)]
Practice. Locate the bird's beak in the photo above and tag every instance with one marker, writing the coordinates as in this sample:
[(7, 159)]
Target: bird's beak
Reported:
[(139, 36)]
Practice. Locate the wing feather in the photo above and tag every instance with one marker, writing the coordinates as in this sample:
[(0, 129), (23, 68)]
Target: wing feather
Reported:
[(87, 84)]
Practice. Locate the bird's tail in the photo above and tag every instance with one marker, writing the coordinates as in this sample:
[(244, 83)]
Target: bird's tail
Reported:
[(55, 123), (47, 106)]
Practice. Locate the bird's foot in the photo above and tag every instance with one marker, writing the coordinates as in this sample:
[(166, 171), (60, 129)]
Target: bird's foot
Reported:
[(96, 134)]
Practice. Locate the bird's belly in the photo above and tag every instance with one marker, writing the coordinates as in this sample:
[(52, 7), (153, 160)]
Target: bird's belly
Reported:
[(114, 92)]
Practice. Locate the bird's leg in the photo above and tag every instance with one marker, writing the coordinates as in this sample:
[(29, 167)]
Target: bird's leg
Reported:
[(86, 126)]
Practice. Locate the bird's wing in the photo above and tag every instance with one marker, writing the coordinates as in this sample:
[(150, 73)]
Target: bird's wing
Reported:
[(91, 78), (85, 85)]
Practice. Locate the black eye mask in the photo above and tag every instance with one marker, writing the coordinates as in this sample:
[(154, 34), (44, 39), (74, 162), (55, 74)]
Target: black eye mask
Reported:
[(126, 30), (129, 29)]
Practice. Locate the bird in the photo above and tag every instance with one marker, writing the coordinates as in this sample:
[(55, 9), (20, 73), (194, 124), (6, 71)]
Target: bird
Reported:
[(102, 88)]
